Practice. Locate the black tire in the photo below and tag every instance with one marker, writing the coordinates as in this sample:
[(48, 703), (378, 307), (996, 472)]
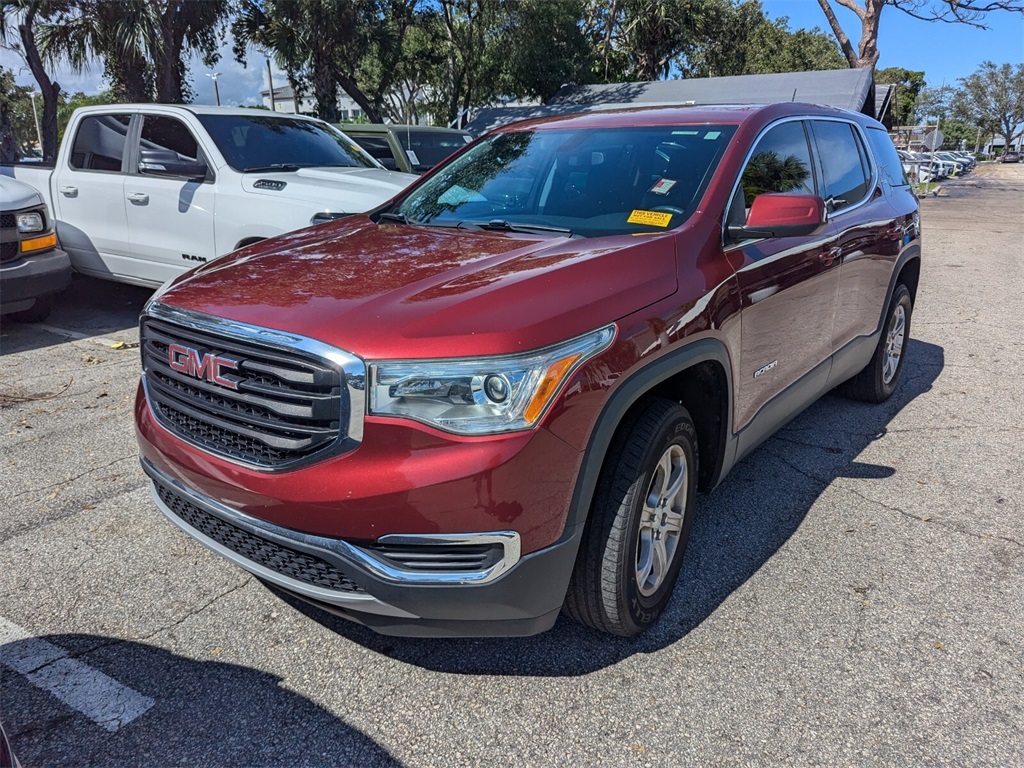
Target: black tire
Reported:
[(606, 590), (879, 379), (36, 313)]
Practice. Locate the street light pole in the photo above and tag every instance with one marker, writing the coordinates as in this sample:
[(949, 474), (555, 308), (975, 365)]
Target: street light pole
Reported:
[(35, 114), (216, 90)]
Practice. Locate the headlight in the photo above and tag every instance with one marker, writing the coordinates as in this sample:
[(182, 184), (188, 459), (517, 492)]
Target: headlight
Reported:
[(481, 396), (324, 216), (30, 222)]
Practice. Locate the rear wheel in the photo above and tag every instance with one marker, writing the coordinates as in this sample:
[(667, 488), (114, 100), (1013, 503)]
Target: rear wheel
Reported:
[(879, 379), (639, 523)]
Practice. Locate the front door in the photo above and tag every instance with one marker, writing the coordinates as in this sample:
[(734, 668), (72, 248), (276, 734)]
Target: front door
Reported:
[(788, 288)]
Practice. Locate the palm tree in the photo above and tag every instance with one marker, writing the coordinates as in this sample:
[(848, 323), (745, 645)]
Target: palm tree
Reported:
[(142, 43), (124, 34)]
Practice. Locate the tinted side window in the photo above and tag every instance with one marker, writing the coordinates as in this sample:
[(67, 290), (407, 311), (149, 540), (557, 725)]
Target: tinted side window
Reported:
[(781, 162), (168, 133), (378, 148), (888, 160), (100, 143), (844, 164)]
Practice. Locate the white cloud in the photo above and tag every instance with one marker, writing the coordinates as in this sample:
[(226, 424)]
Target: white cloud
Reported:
[(238, 84)]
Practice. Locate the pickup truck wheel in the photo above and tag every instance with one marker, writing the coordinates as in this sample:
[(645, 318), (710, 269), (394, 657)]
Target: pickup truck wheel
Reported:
[(36, 313), (639, 524), (879, 379)]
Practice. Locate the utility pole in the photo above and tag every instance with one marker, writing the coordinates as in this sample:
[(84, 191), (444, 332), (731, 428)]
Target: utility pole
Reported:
[(270, 84), (35, 114), (216, 90)]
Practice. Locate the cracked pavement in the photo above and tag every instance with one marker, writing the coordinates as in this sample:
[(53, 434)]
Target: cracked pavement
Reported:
[(851, 593)]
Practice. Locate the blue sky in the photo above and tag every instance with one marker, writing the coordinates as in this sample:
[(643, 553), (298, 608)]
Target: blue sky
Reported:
[(944, 51)]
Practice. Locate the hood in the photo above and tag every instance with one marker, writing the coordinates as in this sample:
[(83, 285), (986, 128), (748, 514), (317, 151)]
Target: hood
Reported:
[(345, 190), (15, 195), (392, 291)]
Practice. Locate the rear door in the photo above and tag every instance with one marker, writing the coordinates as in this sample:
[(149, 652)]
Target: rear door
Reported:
[(864, 224), (89, 195), (788, 285), (170, 220)]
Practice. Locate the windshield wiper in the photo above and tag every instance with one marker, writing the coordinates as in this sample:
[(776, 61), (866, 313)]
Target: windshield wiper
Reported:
[(501, 225), (274, 167)]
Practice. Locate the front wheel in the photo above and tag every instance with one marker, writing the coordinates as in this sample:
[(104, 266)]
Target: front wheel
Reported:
[(877, 382), (640, 522)]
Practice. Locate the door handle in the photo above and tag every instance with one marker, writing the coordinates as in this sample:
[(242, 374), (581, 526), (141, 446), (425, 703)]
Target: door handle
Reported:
[(139, 197), (833, 253), (69, 191)]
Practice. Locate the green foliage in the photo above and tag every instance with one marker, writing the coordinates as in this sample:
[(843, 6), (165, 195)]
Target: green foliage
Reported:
[(958, 134), (993, 98), (908, 84), (17, 124), (539, 47), (772, 47)]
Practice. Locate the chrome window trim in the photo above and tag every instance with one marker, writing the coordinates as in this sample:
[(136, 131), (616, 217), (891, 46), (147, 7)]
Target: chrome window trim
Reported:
[(812, 146), (341, 553), (352, 367)]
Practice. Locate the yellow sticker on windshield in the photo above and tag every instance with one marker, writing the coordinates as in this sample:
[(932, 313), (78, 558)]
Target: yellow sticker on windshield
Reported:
[(651, 218)]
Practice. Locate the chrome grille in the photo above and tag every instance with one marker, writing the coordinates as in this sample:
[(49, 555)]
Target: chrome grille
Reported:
[(288, 562), (287, 408), (439, 558)]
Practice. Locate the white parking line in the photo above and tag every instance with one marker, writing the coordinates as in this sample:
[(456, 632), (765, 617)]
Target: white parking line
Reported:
[(100, 698)]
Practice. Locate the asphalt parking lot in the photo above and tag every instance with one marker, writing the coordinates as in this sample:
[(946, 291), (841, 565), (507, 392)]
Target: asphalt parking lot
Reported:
[(851, 594)]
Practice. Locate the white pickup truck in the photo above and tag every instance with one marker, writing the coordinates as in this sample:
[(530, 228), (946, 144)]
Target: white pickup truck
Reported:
[(142, 192)]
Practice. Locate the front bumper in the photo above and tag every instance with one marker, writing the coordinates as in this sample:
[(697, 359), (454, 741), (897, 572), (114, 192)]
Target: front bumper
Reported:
[(514, 596), (33, 276)]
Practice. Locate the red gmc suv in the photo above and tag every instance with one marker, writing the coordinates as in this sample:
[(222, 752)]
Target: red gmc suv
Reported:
[(496, 397)]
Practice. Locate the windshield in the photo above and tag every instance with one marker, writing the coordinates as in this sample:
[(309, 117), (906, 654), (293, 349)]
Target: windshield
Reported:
[(591, 182), (428, 148), (259, 142)]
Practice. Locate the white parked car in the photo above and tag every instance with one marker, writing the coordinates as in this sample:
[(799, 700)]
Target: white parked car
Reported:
[(142, 192)]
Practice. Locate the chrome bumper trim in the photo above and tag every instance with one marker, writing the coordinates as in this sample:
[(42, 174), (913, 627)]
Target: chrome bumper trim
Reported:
[(344, 555)]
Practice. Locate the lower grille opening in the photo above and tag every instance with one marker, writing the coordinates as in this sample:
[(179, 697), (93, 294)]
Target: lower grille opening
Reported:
[(300, 566), (439, 558)]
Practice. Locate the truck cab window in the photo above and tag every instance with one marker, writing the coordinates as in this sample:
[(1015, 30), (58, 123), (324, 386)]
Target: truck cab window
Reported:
[(160, 132), (100, 143)]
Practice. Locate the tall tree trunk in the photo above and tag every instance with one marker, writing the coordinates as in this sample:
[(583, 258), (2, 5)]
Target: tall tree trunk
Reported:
[(49, 89), (325, 87), (168, 59), (865, 56)]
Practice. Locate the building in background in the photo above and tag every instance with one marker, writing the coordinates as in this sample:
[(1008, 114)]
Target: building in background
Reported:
[(284, 101)]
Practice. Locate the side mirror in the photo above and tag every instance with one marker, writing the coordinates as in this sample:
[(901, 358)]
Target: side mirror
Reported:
[(164, 162), (782, 215)]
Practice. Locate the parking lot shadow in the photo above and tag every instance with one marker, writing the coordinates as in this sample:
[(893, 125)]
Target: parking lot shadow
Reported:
[(739, 527), (89, 308), (205, 713)]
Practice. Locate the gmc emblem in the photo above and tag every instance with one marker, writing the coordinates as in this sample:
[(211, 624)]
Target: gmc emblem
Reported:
[(209, 366)]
